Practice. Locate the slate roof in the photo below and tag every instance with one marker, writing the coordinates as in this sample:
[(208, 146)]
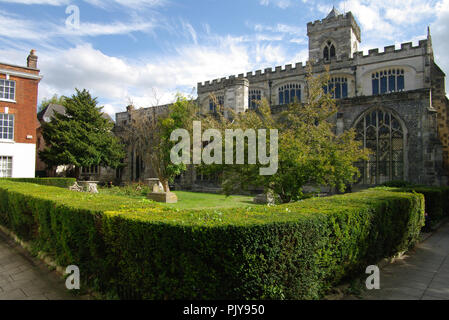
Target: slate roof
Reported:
[(46, 114), (334, 13)]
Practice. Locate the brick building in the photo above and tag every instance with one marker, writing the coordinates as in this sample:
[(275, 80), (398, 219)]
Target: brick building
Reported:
[(18, 105)]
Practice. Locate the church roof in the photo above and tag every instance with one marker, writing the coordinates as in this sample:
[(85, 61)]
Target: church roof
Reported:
[(47, 113), (334, 12)]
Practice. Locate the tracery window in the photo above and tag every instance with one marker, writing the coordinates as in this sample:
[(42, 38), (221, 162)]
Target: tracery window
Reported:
[(255, 96), (215, 103), (386, 81), (329, 50), (382, 133), (337, 87), (289, 92)]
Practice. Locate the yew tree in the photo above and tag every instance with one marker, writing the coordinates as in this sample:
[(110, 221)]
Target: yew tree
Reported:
[(81, 137)]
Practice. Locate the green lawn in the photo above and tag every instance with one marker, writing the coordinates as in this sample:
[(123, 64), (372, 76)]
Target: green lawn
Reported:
[(186, 200), (194, 200)]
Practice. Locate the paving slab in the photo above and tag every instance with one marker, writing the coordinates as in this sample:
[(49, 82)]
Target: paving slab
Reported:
[(23, 277), (423, 274)]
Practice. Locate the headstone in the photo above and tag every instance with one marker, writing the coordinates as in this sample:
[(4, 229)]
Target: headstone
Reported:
[(92, 188), (155, 185), (76, 187), (265, 198), (164, 197), (89, 186)]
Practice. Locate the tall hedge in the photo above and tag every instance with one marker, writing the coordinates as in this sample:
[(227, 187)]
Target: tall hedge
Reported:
[(55, 182), (128, 248), (436, 200)]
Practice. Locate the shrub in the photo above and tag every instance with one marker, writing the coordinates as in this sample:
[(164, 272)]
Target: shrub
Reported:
[(436, 200), (138, 249), (129, 190), (397, 184), (55, 182)]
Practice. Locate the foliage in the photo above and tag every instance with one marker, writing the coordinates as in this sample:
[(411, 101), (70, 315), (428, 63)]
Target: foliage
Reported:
[(292, 251), (310, 152), (437, 200), (397, 184), (149, 135), (82, 137), (129, 190), (55, 182), (53, 100)]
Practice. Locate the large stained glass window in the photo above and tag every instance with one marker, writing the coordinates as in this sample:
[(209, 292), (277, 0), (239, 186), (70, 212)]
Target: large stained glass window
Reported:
[(289, 93), (337, 87), (382, 133), (216, 103), (387, 81), (254, 98)]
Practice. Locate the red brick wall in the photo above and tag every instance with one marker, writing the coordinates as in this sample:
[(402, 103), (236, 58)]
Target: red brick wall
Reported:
[(24, 109)]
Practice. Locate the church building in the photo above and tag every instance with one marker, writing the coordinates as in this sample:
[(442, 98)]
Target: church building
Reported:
[(395, 99)]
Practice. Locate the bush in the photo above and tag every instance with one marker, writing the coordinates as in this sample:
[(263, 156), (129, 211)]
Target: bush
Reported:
[(54, 182), (129, 190), (436, 199), (138, 249), (397, 184)]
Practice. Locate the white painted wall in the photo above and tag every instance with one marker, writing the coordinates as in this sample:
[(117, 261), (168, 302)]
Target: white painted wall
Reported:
[(23, 158)]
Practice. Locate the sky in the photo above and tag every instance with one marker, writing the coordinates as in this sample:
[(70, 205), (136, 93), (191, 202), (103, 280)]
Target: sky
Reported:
[(146, 51)]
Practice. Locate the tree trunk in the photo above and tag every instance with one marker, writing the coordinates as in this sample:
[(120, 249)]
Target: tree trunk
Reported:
[(77, 173), (165, 185)]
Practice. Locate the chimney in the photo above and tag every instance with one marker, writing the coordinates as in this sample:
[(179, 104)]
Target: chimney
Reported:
[(32, 60)]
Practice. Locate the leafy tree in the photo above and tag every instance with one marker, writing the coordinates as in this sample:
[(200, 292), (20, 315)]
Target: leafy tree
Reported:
[(149, 134), (310, 152), (55, 100), (82, 137)]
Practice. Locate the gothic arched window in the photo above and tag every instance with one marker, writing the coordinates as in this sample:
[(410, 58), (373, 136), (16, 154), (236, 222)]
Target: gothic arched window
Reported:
[(289, 92), (382, 133), (387, 81), (254, 96), (329, 51), (216, 103), (337, 87)]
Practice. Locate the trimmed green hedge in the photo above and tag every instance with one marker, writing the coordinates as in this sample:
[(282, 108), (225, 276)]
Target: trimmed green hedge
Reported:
[(54, 182), (129, 248), (436, 200)]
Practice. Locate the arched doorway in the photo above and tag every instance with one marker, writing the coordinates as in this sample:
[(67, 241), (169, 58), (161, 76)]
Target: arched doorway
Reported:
[(384, 134)]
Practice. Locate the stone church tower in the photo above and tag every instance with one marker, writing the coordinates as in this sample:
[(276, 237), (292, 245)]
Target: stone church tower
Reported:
[(337, 36), (393, 97)]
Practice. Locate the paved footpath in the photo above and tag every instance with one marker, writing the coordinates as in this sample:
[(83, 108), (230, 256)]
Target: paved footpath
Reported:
[(25, 278), (421, 275)]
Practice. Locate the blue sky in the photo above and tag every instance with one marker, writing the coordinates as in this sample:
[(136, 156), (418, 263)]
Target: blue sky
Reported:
[(145, 51)]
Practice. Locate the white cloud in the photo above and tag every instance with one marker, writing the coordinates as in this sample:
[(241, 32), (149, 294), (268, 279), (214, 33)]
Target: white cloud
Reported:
[(116, 80), (136, 4), (39, 2), (278, 3), (25, 29), (440, 31)]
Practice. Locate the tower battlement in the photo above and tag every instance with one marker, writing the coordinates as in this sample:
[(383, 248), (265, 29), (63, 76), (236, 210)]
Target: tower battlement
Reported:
[(342, 20), (253, 76)]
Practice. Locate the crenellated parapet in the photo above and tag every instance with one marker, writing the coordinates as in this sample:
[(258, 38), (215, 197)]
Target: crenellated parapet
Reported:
[(256, 76), (342, 20), (390, 52)]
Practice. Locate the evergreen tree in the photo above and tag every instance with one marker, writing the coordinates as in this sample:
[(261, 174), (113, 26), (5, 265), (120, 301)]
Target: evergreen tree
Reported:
[(82, 137), (46, 102)]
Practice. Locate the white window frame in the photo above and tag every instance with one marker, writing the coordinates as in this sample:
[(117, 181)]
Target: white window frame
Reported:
[(1, 128), (5, 81), (6, 170)]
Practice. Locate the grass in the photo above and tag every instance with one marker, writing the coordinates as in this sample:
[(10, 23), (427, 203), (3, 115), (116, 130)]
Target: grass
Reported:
[(186, 200), (193, 200)]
